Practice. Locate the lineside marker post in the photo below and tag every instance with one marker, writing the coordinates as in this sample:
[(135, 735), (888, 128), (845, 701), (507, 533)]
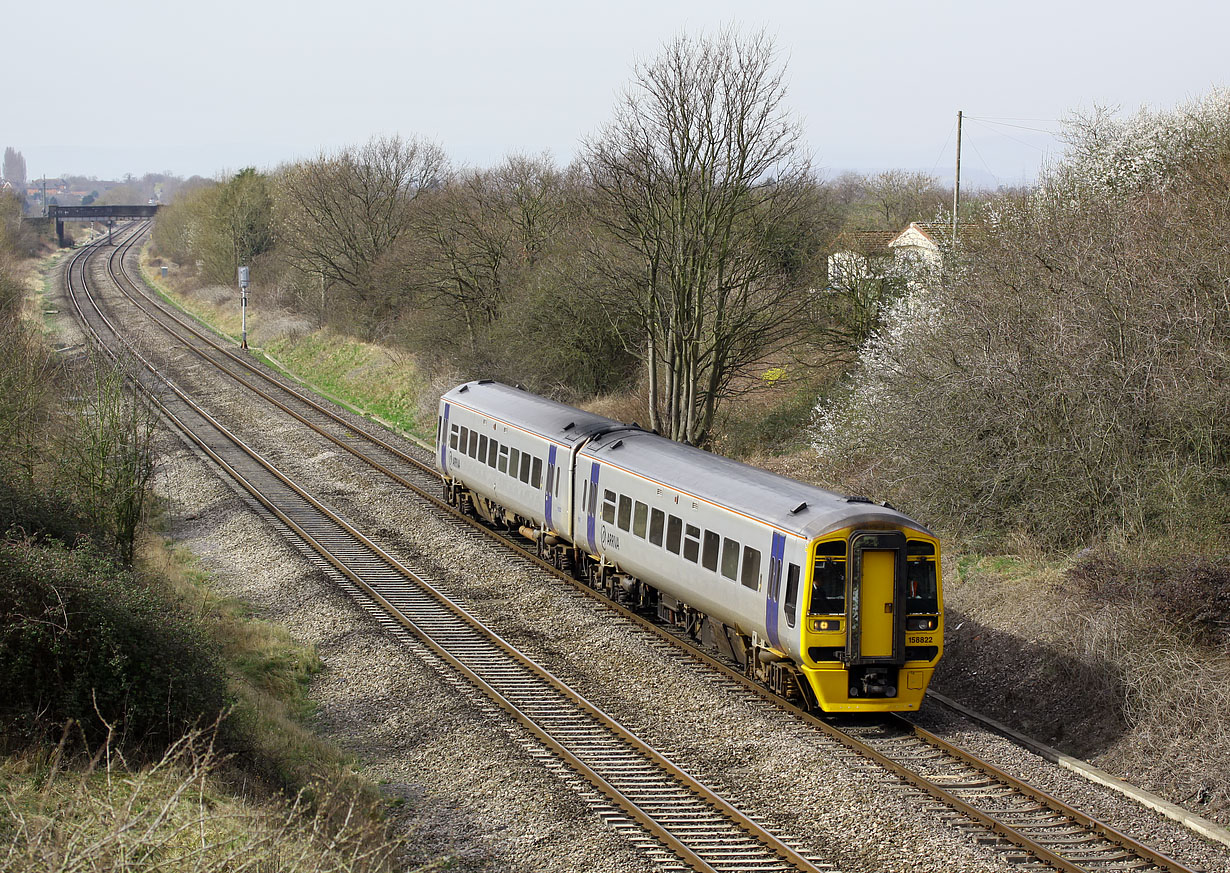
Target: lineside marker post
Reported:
[(243, 305)]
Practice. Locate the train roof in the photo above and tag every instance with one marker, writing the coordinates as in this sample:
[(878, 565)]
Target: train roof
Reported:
[(538, 415), (788, 504), (806, 510)]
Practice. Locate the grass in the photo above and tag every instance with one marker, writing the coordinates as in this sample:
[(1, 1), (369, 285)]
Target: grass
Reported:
[(174, 814)]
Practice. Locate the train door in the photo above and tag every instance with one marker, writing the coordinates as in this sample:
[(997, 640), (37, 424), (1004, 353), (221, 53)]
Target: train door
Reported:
[(876, 577), (773, 590)]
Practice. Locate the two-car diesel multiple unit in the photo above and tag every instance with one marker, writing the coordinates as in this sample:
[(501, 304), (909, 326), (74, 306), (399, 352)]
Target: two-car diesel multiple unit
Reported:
[(832, 601)]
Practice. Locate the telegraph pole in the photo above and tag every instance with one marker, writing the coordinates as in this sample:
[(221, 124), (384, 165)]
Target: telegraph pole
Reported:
[(956, 188)]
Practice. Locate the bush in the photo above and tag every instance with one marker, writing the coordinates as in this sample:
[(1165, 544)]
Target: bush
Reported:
[(82, 640), (1071, 377), (1193, 594)]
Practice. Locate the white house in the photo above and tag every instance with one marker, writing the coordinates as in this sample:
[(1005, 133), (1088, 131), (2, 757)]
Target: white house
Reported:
[(912, 254)]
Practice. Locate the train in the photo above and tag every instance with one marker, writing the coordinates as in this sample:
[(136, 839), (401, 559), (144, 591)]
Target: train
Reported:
[(832, 601)]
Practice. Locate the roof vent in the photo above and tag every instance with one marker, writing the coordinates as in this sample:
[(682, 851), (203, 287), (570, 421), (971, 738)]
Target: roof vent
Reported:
[(463, 389), (853, 499), (799, 508), (570, 425), (485, 381), (616, 444)]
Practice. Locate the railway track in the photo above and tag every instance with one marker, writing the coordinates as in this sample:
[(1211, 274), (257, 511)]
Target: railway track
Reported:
[(692, 826), (1028, 825)]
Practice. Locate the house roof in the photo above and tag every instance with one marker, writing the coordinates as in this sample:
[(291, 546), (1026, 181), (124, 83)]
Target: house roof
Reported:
[(872, 241)]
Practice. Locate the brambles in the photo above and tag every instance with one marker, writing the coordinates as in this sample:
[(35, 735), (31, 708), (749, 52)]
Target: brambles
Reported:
[(87, 642)]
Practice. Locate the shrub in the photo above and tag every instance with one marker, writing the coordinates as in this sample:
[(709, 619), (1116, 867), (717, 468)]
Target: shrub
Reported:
[(82, 640), (1071, 376)]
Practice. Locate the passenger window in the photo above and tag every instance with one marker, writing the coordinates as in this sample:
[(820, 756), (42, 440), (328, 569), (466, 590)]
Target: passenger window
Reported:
[(640, 517), (463, 444), (751, 568), (828, 587), (526, 458), (559, 474), (691, 543), (674, 531), (608, 507), (730, 559), (439, 429), (482, 448), (514, 462), (493, 450), (593, 499), (472, 451), (709, 559), (536, 473), (657, 520), (502, 466), (792, 594), (625, 512), (454, 430)]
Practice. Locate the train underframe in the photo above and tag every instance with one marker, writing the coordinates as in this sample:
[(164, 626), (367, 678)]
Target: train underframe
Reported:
[(757, 660)]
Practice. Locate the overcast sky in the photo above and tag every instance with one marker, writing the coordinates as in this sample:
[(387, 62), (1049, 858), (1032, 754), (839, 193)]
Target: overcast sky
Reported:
[(135, 86)]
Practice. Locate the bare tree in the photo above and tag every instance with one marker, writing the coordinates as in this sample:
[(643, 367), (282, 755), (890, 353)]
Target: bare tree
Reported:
[(695, 177), (458, 258), (341, 212), (894, 198)]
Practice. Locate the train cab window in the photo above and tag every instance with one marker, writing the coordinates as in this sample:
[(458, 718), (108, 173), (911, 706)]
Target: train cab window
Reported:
[(482, 448), (792, 594), (640, 517), (472, 451), (657, 521), (730, 559), (608, 507), (625, 512), (920, 586), (709, 557), (828, 587), (691, 543), (750, 577), (536, 473), (674, 532), (526, 459), (454, 431), (502, 464), (493, 452)]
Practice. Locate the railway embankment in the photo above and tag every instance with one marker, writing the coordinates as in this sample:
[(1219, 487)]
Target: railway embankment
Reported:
[(1108, 659), (1123, 664)]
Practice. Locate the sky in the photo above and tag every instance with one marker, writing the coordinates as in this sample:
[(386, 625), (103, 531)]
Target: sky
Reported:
[(207, 88)]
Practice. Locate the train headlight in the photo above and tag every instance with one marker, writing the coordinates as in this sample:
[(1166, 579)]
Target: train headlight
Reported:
[(921, 622), (826, 624)]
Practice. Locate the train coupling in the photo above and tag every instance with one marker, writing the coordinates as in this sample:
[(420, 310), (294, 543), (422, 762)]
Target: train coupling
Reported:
[(873, 682)]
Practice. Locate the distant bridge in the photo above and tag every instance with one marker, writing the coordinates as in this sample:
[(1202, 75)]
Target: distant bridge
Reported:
[(109, 214)]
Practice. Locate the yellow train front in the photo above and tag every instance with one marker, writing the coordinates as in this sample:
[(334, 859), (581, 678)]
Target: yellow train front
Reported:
[(872, 624)]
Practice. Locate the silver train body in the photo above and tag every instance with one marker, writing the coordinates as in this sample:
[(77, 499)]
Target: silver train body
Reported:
[(833, 601)]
